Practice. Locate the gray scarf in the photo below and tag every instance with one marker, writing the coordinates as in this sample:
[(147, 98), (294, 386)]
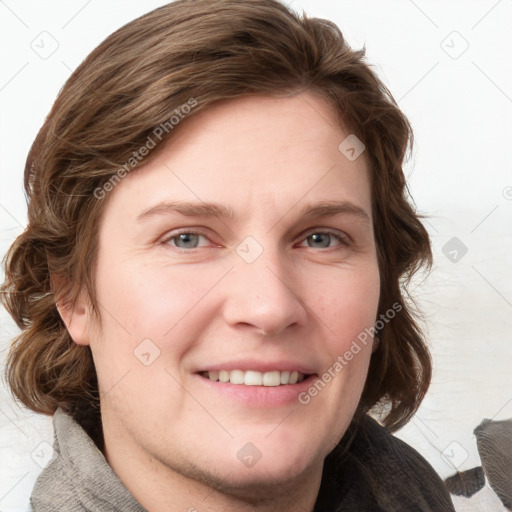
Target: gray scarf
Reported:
[(369, 471)]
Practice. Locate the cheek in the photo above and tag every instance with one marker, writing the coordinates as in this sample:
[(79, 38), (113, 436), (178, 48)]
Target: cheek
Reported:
[(141, 302), (347, 309), (150, 318), (348, 304)]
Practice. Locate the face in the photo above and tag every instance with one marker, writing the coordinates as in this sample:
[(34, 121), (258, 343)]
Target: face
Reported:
[(244, 251)]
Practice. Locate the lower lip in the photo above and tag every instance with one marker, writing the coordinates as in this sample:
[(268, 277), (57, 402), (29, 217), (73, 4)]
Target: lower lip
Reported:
[(259, 396)]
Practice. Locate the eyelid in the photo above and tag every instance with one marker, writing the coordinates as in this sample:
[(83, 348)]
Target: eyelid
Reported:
[(165, 239), (342, 237)]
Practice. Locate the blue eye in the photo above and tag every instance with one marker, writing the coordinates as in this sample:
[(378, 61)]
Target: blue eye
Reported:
[(185, 240), (316, 240), (322, 240)]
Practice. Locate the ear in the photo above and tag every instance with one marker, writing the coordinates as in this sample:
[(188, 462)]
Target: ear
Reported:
[(76, 316)]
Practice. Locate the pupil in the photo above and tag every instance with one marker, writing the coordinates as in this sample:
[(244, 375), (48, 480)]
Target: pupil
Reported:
[(322, 238), (187, 239)]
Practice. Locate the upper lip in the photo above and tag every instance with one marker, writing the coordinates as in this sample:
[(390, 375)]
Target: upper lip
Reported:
[(282, 365)]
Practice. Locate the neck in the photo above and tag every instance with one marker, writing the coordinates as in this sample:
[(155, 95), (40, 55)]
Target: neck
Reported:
[(159, 487)]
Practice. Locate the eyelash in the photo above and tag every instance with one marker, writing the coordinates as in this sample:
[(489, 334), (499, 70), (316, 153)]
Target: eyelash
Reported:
[(343, 239)]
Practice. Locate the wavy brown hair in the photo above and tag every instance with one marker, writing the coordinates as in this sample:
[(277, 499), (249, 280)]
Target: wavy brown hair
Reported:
[(133, 82)]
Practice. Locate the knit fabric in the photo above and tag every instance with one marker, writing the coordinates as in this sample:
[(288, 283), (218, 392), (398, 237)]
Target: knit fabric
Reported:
[(78, 478)]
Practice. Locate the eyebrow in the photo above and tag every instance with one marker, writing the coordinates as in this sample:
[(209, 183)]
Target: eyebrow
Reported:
[(188, 209), (334, 208), (216, 210)]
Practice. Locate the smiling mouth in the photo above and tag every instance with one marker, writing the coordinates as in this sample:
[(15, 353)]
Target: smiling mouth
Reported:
[(255, 378)]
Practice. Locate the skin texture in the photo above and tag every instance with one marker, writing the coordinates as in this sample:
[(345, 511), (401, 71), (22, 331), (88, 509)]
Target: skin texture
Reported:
[(172, 436)]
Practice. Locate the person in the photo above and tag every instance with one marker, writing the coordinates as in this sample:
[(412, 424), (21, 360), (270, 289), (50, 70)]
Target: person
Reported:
[(211, 286)]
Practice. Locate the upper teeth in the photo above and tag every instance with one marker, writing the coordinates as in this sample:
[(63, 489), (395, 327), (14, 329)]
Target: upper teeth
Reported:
[(254, 378)]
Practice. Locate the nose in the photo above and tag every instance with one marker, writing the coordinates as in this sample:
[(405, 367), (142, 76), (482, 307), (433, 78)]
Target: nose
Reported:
[(264, 296)]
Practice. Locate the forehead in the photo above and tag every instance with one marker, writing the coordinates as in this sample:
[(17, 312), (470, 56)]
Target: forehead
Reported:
[(255, 152)]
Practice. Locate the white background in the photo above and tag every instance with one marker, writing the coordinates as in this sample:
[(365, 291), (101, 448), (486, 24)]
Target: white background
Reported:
[(459, 102)]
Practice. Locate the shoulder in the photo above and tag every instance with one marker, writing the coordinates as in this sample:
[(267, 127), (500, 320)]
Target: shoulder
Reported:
[(371, 469), (55, 486), (78, 477)]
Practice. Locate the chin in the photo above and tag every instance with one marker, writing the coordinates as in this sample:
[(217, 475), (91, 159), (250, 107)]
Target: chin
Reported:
[(266, 477), (274, 461), (251, 470)]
